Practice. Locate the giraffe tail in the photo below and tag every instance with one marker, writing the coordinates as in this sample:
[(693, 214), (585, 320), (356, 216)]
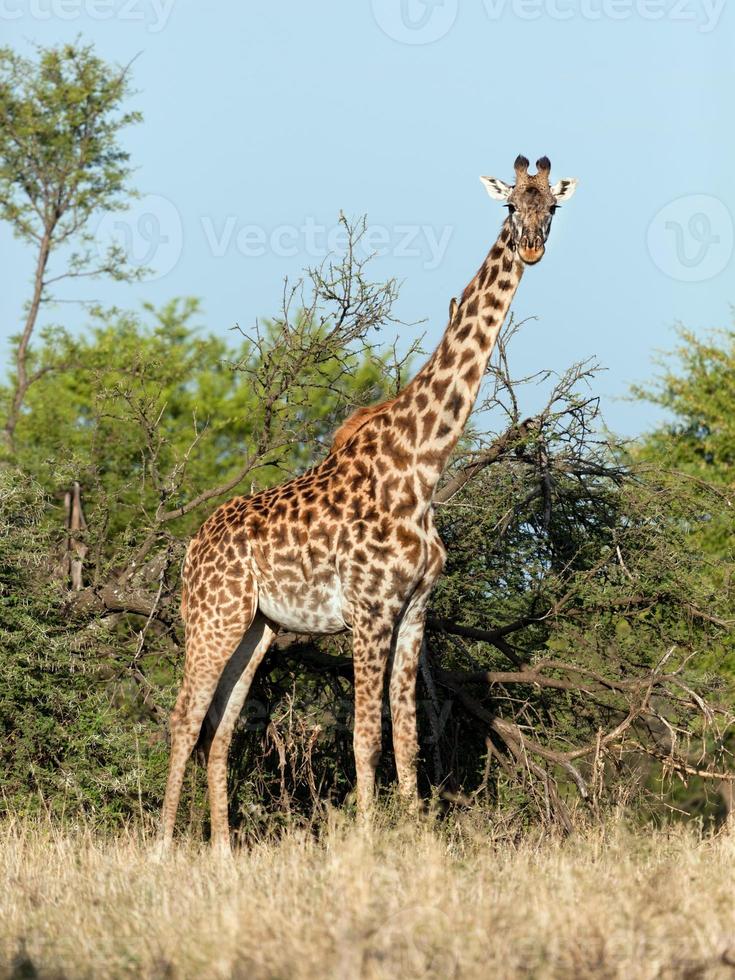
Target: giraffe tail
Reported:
[(184, 586)]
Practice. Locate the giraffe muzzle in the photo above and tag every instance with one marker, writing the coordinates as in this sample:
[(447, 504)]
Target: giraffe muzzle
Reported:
[(531, 254)]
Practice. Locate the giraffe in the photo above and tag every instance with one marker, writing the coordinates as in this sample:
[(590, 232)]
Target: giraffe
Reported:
[(351, 544)]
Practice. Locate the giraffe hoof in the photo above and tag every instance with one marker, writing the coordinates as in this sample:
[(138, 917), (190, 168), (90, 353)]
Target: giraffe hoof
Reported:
[(159, 852), (221, 851)]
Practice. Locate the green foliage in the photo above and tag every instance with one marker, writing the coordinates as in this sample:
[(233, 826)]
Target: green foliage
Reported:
[(60, 159), (64, 746), (697, 389), (61, 163), (601, 579)]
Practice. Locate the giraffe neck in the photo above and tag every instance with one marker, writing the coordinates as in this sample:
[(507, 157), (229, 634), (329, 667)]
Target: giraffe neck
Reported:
[(431, 412)]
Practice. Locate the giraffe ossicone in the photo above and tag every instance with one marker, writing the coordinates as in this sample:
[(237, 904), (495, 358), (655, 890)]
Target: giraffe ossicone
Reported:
[(351, 544)]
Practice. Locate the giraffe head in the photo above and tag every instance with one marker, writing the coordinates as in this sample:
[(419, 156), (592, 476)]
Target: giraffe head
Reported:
[(531, 203)]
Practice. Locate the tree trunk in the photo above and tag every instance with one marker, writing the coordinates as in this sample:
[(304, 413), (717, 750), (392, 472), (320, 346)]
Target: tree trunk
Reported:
[(22, 380)]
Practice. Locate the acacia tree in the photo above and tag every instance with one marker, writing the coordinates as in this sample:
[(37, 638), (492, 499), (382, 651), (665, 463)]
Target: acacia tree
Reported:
[(61, 163), (696, 388)]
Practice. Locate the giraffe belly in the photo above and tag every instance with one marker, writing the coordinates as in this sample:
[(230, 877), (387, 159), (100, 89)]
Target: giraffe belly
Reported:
[(306, 609)]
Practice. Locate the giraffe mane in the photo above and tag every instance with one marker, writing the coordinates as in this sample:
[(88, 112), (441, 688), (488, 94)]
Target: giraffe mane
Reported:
[(354, 422)]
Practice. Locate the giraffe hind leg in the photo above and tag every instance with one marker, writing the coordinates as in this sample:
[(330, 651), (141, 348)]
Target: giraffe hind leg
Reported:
[(209, 647), (403, 703), (371, 643), (221, 719), (402, 688)]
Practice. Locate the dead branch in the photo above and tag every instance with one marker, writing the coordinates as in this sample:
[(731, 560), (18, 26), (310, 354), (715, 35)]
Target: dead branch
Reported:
[(511, 439)]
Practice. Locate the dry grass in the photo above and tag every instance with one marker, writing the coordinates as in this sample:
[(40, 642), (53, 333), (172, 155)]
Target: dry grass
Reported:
[(404, 901)]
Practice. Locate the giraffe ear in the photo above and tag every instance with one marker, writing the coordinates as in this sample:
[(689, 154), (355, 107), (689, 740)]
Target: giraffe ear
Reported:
[(564, 188), (497, 189)]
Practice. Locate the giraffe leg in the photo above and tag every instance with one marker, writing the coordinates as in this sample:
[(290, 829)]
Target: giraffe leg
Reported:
[(208, 651), (409, 640), (403, 701), (371, 652), (222, 716)]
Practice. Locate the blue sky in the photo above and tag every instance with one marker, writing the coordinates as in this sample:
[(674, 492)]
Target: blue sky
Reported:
[(263, 120)]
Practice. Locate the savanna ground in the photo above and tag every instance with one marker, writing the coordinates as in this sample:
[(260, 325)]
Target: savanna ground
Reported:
[(459, 897)]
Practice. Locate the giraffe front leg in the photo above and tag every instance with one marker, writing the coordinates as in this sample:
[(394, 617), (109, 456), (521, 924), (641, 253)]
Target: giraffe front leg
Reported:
[(371, 652)]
